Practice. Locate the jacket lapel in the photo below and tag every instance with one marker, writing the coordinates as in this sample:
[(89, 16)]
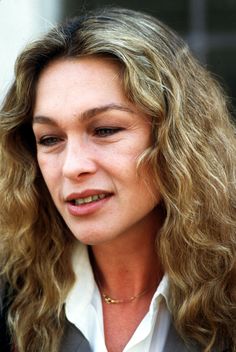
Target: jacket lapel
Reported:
[(176, 344), (73, 340)]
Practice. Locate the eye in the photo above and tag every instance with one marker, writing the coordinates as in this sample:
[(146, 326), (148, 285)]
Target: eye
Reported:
[(106, 131), (49, 141)]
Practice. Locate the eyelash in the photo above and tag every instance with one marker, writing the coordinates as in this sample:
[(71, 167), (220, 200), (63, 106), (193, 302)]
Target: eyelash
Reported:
[(48, 141), (106, 131), (101, 132)]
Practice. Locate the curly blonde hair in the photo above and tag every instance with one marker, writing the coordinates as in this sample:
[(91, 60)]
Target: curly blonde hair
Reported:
[(193, 160)]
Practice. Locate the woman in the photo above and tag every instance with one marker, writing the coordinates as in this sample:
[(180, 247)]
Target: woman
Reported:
[(117, 193)]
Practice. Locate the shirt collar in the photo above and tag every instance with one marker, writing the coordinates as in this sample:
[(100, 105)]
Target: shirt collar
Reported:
[(81, 292), (160, 294)]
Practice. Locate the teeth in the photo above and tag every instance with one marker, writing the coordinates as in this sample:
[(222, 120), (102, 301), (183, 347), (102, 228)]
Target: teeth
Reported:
[(89, 199)]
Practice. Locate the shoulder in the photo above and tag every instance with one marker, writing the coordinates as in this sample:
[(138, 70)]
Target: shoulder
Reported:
[(5, 295), (4, 304), (2, 289), (175, 343)]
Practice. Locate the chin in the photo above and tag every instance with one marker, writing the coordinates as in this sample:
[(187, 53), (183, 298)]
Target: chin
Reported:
[(89, 240)]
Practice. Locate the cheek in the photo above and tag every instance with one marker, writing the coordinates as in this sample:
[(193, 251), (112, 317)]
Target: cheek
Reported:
[(148, 184), (49, 171)]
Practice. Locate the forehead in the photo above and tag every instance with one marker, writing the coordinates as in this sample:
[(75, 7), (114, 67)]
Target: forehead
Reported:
[(79, 81), (85, 71)]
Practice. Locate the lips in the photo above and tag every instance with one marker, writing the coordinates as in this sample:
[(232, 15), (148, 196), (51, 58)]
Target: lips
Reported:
[(87, 201), (87, 196)]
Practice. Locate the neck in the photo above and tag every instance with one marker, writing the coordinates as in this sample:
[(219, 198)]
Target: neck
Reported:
[(127, 269)]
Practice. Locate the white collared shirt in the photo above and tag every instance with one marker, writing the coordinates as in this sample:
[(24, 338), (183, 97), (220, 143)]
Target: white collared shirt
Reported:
[(83, 308)]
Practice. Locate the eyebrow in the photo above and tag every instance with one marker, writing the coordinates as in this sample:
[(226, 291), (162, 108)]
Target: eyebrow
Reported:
[(86, 115)]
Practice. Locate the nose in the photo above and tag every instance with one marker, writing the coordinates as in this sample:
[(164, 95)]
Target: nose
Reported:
[(79, 160)]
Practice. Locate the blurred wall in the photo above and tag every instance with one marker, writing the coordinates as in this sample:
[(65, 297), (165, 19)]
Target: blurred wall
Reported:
[(209, 26), (20, 22)]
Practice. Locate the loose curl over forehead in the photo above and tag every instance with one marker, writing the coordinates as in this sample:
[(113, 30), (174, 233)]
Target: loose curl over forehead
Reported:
[(193, 161)]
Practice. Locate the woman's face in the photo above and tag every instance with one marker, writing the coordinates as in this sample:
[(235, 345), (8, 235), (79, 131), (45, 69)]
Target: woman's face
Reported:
[(89, 137)]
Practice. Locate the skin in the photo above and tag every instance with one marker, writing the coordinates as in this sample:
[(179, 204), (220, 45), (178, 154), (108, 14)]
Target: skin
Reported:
[(89, 137)]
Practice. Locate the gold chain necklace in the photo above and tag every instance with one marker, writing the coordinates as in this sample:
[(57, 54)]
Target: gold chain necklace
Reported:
[(109, 300)]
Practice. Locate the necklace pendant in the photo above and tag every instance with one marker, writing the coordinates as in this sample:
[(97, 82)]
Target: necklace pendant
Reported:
[(108, 299)]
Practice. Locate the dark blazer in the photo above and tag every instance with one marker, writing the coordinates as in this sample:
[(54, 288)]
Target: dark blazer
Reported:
[(74, 341)]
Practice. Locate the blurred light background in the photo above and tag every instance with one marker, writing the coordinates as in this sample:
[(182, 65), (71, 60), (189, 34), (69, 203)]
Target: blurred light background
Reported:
[(209, 27)]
